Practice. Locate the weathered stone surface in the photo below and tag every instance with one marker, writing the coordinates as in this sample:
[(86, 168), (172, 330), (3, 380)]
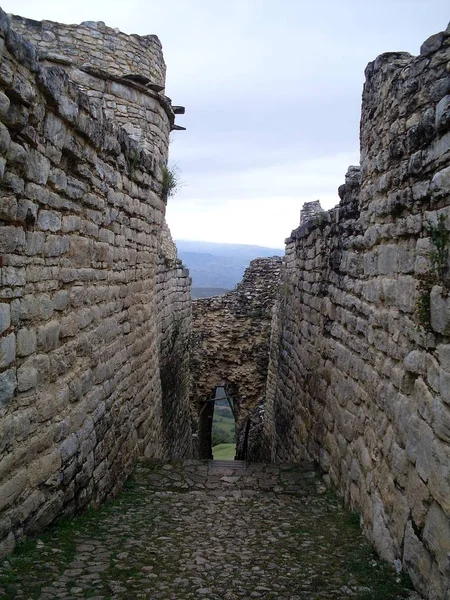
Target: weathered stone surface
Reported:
[(359, 372), (5, 317), (95, 307), (230, 348), (264, 531)]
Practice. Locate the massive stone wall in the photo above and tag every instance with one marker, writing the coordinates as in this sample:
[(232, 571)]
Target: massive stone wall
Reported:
[(93, 44), (230, 343), (359, 377), (90, 294)]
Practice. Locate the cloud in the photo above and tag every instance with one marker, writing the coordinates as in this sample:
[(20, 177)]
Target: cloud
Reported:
[(272, 93), (255, 206)]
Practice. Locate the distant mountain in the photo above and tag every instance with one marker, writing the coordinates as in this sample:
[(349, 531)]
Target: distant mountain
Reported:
[(214, 265)]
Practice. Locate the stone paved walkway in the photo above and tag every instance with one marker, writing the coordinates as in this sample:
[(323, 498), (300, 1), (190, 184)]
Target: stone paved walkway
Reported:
[(206, 531)]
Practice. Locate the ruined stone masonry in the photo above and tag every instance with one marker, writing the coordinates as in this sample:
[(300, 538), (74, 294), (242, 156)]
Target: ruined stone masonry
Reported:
[(230, 344), (94, 304), (359, 374)]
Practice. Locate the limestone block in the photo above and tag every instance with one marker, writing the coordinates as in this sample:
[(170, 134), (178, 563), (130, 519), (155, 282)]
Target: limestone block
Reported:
[(381, 535), (387, 259), (436, 535), (441, 423), (400, 464), (432, 373), (5, 317), (37, 167), (415, 362), (440, 310), (69, 447), (443, 352), (417, 495), (44, 467), (8, 208), (443, 114), (70, 223), (34, 242), (8, 384), (48, 336), (5, 103), (26, 342), (444, 385), (416, 558), (27, 377), (7, 350), (5, 139), (55, 245), (12, 488), (440, 184), (61, 300), (47, 406), (12, 239), (49, 220)]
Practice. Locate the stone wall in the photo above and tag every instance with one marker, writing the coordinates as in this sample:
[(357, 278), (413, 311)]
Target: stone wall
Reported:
[(93, 44), (90, 292), (230, 342), (359, 378)]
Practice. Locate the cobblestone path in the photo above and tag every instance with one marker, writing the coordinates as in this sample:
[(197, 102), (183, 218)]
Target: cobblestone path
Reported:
[(203, 531)]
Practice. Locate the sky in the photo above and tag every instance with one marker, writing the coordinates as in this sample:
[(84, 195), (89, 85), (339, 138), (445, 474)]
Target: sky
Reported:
[(272, 90)]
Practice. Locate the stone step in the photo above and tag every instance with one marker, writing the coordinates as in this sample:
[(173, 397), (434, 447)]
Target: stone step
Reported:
[(227, 464)]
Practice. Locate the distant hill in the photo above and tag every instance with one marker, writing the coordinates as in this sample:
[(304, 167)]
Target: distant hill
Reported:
[(214, 265)]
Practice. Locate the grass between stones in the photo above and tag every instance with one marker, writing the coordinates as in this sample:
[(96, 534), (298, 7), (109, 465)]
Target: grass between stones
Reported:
[(168, 537)]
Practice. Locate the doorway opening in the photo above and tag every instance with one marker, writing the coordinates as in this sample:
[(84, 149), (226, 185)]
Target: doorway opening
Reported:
[(217, 424), (223, 434)]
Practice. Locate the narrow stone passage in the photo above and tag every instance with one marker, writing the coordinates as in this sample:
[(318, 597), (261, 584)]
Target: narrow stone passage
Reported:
[(221, 531)]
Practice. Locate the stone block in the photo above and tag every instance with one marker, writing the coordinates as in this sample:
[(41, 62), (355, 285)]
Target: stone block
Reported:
[(415, 362), (61, 300), (5, 139), (444, 385), (48, 336), (49, 220), (8, 384), (12, 239), (5, 103), (71, 223), (436, 535), (387, 259), (440, 310), (7, 350), (8, 208), (37, 167), (12, 488), (440, 184), (6, 432), (69, 447), (26, 342), (5, 317), (443, 114), (44, 467), (27, 377), (441, 422), (443, 353), (34, 242), (416, 558)]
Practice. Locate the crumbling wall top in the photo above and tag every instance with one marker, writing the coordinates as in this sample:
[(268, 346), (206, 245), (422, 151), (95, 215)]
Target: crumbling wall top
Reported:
[(97, 45)]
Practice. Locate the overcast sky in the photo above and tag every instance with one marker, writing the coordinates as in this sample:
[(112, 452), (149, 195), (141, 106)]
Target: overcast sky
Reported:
[(272, 90)]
